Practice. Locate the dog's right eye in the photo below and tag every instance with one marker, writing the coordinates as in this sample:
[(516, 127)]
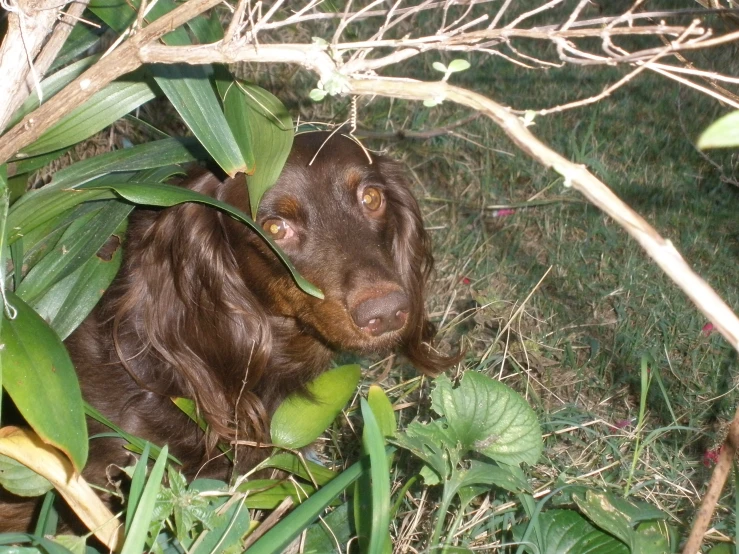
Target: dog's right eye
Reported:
[(278, 229)]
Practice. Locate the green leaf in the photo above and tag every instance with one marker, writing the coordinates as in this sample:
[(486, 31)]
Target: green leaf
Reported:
[(486, 416), (191, 92), (438, 66), (80, 242), (41, 380), (41, 207), (458, 65), (51, 85), (66, 304), (138, 481), (653, 536), (300, 420), (431, 444), (282, 534), (616, 515), (305, 469), (18, 479), (159, 153), (264, 129), (136, 536), (267, 494), (225, 537), (567, 532), (723, 133), (383, 410), (49, 547), (509, 478), (156, 194), (333, 529), (317, 94), (81, 39), (374, 445), (102, 109)]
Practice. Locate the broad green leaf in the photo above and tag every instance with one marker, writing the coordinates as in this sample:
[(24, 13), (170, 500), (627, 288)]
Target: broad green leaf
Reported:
[(653, 536), (616, 515), (101, 110), (723, 133), (438, 66), (282, 534), (156, 194), (432, 445), (20, 480), (262, 122), (191, 92), (66, 305), (486, 416), (136, 535), (40, 378), (567, 532), (300, 420), (150, 155), (80, 242), (51, 85), (333, 529), (374, 444), (458, 65), (509, 478), (383, 410)]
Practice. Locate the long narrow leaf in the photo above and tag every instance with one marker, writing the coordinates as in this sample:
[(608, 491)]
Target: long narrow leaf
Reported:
[(78, 244), (137, 486), (374, 445), (282, 534), (191, 92), (157, 194), (144, 156), (101, 110), (66, 305), (51, 85), (136, 535)]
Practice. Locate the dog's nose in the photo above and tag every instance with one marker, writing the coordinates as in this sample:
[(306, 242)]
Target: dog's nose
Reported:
[(382, 314)]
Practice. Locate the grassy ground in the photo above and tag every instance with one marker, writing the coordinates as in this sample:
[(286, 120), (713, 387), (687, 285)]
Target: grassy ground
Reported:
[(554, 298)]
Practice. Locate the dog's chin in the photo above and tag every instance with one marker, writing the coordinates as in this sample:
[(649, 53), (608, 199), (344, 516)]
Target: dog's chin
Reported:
[(369, 344)]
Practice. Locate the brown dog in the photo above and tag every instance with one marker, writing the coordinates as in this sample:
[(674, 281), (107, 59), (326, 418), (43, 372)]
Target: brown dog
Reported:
[(202, 307)]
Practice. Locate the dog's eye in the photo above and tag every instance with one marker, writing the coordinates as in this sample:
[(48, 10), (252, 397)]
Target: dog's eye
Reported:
[(372, 198), (278, 229)]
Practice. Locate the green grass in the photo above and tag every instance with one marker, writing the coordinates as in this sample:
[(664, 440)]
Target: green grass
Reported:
[(574, 343)]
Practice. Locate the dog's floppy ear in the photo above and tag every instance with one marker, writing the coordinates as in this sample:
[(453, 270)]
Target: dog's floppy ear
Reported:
[(414, 263), (184, 298)]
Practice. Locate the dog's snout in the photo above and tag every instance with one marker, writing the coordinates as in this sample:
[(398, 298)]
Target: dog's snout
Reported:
[(382, 314)]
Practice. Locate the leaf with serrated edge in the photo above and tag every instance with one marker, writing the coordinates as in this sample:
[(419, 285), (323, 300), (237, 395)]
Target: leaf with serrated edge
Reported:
[(567, 532), (486, 416)]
